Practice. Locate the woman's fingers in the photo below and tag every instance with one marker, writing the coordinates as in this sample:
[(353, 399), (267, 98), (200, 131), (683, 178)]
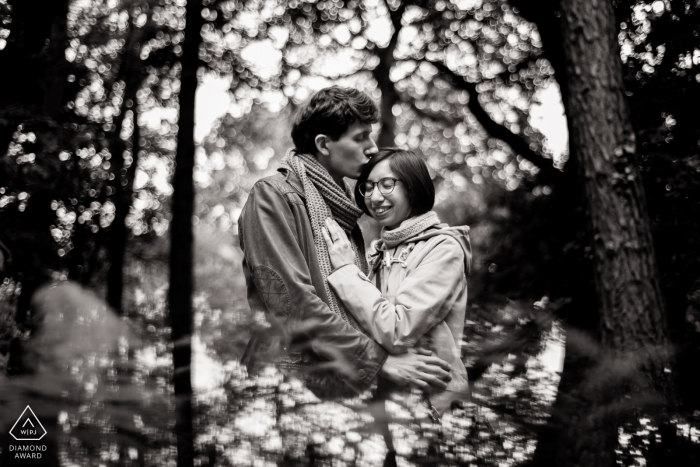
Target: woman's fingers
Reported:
[(330, 228), (339, 248), (326, 237), (336, 232), (333, 229)]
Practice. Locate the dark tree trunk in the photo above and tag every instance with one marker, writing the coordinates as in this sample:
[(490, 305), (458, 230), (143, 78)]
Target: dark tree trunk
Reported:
[(124, 190), (32, 64), (390, 97), (131, 72), (54, 84), (181, 235), (34, 54), (387, 134), (631, 336), (603, 142)]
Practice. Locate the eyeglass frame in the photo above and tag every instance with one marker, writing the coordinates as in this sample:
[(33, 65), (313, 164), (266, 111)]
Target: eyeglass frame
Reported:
[(376, 185)]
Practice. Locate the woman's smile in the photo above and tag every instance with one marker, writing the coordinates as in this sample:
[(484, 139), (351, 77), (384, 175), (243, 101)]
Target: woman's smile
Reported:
[(380, 210)]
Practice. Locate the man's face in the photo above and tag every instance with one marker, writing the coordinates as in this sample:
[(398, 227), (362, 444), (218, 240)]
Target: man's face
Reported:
[(351, 152)]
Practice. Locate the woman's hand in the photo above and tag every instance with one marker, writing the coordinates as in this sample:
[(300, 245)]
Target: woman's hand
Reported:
[(339, 247)]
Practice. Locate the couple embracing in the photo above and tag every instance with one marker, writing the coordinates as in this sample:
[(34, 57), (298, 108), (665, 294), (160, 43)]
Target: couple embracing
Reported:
[(346, 318)]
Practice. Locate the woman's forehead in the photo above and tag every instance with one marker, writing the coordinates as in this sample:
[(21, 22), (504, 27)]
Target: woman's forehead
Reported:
[(381, 170)]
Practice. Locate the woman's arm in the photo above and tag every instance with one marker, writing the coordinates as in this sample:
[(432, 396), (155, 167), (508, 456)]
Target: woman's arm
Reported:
[(420, 300)]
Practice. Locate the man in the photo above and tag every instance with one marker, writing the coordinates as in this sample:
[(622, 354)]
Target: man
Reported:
[(286, 258)]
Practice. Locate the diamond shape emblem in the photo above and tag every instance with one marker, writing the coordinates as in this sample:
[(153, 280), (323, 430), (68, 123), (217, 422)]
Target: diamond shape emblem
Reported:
[(28, 427)]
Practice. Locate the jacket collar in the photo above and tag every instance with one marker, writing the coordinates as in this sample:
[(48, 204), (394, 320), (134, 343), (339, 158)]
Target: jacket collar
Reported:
[(292, 178)]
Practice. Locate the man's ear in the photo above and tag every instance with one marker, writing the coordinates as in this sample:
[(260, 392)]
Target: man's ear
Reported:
[(321, 146)]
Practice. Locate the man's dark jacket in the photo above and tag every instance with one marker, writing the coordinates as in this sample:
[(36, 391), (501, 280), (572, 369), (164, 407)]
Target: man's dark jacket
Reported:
[(284, 280)]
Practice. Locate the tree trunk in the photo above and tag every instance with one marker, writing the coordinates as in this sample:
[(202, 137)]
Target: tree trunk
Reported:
[(632, 328), (181, 237), (54, 84), (603, 142), (27, 61), (387, 134), (31, 63), (131, 72), (124, 190)]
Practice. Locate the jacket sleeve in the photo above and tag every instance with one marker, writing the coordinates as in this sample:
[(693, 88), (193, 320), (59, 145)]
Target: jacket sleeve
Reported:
[(278, 267), (420, 301)]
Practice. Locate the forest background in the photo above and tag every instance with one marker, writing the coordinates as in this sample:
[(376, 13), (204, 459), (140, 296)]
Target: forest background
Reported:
[(586, 249)]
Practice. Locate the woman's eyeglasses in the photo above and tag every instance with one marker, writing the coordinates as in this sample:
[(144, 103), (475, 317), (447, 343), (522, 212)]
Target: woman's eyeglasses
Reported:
[(385, 185)]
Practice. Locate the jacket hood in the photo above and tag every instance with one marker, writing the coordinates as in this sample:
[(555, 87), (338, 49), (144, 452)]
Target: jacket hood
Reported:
[(459, 233)]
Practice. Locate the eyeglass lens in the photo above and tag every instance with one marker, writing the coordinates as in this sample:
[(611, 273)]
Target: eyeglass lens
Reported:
[(385, 185)]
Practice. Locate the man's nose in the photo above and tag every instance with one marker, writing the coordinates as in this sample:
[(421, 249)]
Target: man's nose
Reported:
[(371, 148)]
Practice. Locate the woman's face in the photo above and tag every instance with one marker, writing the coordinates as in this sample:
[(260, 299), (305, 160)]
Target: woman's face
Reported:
[(389, 210)]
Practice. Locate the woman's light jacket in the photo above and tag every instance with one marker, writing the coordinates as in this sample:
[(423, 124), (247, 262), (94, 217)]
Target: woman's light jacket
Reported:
[(416, 294)]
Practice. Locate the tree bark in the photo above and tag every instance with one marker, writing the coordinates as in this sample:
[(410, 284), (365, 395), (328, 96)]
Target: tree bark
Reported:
[(603, 141), (632, 329), (181, 237)]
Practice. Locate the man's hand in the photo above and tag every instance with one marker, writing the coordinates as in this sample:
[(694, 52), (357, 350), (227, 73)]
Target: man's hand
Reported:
[(339, 247), (417, 368)]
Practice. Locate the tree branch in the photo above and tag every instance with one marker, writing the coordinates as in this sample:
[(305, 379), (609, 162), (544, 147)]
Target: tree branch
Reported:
[(496, 130), (450, 121), (521, 65)]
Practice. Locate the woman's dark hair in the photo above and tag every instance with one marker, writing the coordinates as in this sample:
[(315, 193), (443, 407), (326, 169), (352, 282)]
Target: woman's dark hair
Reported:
[(413, 173), (331, 111)]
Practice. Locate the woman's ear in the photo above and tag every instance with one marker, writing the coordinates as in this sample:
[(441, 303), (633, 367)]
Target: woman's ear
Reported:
[(321, 145)]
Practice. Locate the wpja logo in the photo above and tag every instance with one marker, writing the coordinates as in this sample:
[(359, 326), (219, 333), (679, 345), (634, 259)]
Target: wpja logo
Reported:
[(27, 428)]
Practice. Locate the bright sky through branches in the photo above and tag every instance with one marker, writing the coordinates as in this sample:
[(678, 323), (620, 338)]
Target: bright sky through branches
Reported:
[(548, 117), (214, 101)]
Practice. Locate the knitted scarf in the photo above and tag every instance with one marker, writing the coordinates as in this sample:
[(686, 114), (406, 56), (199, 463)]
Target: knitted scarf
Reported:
[(408, 229), (324, 198)]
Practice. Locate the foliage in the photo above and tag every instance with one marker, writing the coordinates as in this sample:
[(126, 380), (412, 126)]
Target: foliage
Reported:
[(236, 153)]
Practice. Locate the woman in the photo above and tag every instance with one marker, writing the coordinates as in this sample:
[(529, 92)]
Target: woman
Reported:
[(416, 294)]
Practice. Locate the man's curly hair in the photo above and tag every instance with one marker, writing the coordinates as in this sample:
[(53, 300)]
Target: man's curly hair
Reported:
[(331, 111)]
